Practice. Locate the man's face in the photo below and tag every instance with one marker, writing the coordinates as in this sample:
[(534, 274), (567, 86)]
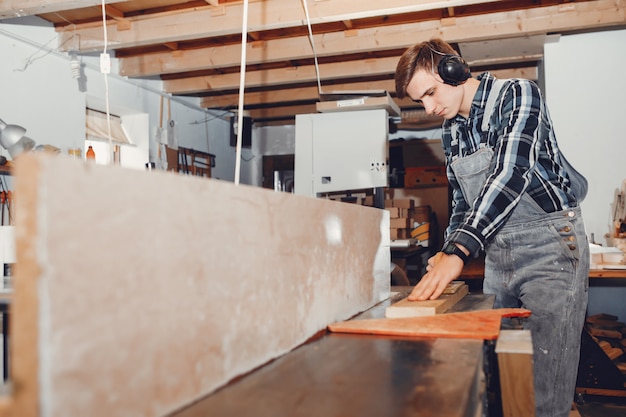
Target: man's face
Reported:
[(438, 98)]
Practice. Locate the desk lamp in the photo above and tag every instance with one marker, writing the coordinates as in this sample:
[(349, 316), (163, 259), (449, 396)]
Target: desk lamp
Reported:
[(13, 140)]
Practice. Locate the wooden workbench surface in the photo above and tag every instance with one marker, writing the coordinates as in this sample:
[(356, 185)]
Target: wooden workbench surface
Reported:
[(475, 269), (607, 273), (356, 375)]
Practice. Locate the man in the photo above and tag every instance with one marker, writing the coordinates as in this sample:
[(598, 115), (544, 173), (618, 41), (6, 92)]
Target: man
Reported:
[(515, 197)]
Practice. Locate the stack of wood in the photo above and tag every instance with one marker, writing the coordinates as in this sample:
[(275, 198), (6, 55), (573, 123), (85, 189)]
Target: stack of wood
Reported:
[(610, 334), (405, 217)]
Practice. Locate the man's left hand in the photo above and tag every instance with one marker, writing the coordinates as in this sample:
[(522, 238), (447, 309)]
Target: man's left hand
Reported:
[(442, 269)]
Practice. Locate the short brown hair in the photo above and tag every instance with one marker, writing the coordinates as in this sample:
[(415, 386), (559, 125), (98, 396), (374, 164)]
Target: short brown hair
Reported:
[(425, 56)]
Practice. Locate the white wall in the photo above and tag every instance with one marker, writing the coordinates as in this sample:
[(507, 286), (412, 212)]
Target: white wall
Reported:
[(585, 88), (38, 92)]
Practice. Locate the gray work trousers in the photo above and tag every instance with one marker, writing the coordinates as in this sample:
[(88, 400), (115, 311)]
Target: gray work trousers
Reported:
[(538, 261), (543, 265)]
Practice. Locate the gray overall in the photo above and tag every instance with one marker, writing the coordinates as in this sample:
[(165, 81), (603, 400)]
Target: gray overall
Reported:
[(538, 261)]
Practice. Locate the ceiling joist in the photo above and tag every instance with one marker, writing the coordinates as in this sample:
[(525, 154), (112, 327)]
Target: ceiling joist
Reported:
[(16, 8), (263, 16), (467, 29), (194, 46), (311, 94)]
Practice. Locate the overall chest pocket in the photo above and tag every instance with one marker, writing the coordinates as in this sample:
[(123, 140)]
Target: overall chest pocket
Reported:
[(471, 172)]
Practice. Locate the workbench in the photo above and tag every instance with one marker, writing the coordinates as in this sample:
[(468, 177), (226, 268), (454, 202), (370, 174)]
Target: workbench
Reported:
[(359, 375), (475, 269)]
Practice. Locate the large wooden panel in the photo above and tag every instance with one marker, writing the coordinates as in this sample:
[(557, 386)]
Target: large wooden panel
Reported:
[(143, 291)]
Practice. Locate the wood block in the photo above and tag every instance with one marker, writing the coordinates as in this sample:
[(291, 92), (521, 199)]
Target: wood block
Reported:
[(422, 214), (622, 367), (614, 353), (399, 223), (406, 203), (606, 346), (606, 324), (601, 317), (611, 334), (425, 176), (393, 212), (515, 362), (406, 308), (368, 201), (453, 287)]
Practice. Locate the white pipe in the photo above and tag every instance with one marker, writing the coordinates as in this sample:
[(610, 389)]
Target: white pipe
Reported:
[(242, 83)]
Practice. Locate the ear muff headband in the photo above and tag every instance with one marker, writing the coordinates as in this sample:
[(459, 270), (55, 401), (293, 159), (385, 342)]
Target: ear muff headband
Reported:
[(453, 69)]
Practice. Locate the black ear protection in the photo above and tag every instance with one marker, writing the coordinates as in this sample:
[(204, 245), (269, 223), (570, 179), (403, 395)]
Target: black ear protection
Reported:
[(452, 69)]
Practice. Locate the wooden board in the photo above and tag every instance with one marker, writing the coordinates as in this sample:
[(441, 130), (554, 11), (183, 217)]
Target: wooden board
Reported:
[(603, 392), (453, 287), (137, 304), (405, 308), (515, 364), (484, 324)]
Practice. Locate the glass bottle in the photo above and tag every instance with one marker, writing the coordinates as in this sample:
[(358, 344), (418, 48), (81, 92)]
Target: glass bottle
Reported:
[(90, 154)]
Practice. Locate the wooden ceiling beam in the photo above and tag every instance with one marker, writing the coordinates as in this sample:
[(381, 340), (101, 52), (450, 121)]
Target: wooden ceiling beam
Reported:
[(172, 45), (282, 76), (18, 8), (301, 75), (199, 23), (588, 15), (116, 14), (290, 94), (256, 98), (113, 12)]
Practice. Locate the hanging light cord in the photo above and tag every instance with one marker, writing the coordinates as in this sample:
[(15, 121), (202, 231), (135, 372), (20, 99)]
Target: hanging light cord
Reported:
[(242, 83), (105, 72), (317, 68)]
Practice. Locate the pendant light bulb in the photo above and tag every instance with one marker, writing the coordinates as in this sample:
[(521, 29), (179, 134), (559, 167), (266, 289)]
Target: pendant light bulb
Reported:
[(74, 65)]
